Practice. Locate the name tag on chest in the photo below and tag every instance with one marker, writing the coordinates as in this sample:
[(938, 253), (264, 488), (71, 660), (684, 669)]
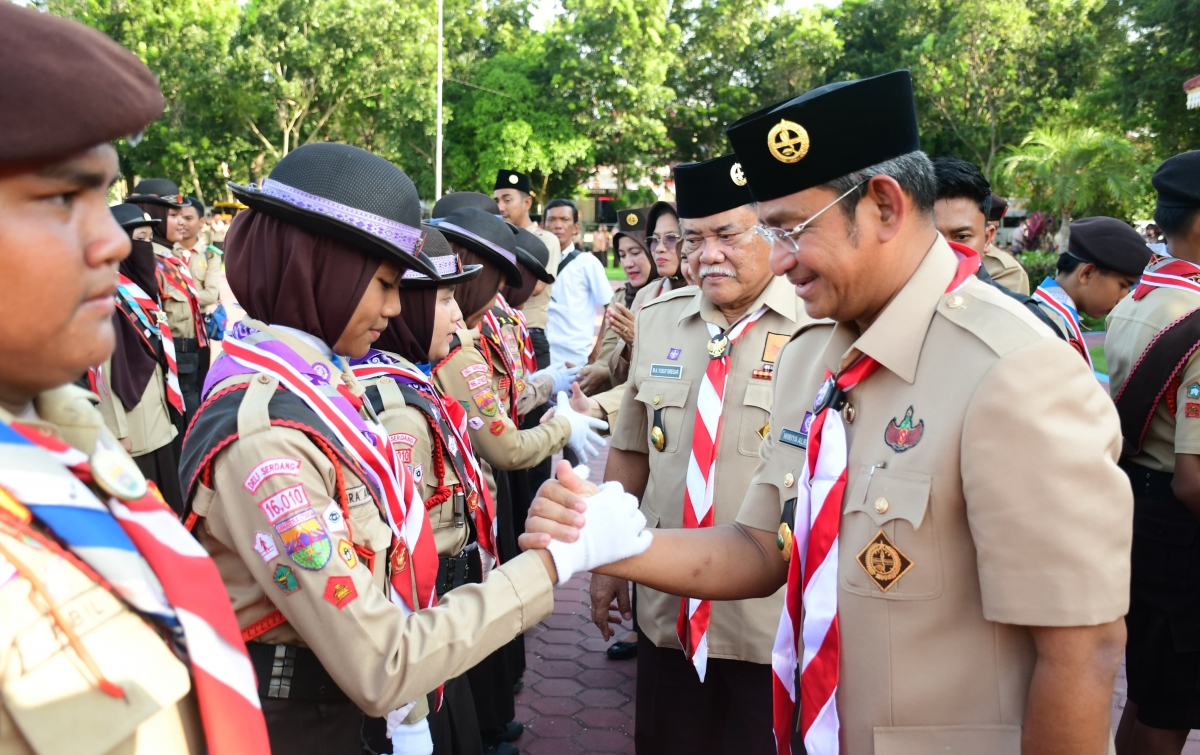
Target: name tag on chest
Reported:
[(672, 371), (797, 438)]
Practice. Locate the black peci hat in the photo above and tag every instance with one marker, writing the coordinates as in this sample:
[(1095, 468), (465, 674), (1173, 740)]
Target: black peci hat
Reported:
[(460, 199), (533, 254), (826, 133), (485, 235), (710, 187), (157, 191), (511, 179), (448, 265), (348, 194), (130, 216), (632, 224), (1110, 244), (1177, 181)]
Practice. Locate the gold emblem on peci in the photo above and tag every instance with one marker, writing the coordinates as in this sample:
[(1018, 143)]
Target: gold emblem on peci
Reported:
[(788, 142), (631, 219), (737, 174), (883, 562)]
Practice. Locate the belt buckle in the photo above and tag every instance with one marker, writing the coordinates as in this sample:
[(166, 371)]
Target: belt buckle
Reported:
[(283, 666)]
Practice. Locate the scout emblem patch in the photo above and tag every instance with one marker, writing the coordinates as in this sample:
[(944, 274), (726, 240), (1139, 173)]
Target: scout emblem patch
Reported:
[(673, 355), (305, 540), (340, 591), (775, 342), (485, 400), (418, 473), (346, 551), (475, 423), (1193, 390), (787, 141), (264, 544), (1192, 410), (883, 562), (286, 579), (270, 468), (334, 521), (797, 438), (399, 558), (718, 345), (905, 435), (497, 427)]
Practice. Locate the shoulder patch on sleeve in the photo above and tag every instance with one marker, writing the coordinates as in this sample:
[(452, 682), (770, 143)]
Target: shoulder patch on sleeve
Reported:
[(477, 382), (340, 591), (285, 578), (475, 423), (405, 438), (286, 501), (270, 468), (485, 401), (472, 369)]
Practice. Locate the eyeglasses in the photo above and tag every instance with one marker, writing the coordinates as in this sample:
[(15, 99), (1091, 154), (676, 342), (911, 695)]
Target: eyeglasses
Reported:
[(727, 240), (671, 240), (788, 239)]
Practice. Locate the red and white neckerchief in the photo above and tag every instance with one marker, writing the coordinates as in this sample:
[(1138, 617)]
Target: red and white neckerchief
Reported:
[(456, 420), (152, 316), (196, 601), (694, 614), (411, 532), (1056, 298), (812, 577), (1168, 272), (175, 272), (492, 329), (528, 357)]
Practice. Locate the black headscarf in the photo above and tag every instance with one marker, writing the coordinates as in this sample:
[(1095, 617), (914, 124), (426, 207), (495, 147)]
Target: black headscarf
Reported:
[(133, 362), (411, 334), (474, 295), (160, 213), (282, 274)]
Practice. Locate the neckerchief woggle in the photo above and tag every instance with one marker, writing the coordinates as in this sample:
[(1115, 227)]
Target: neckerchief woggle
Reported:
[(369, 445), (811, 594), (142, 551)]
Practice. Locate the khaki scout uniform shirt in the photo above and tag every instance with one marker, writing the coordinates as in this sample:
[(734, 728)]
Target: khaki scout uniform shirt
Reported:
[(379, 657), (412, 438), (205, 267), (1006, 509), (743, 629), (148, 425), (49, 703), (1131, 326), (1005, 270), (175, 304), (536, 392), (496, 439), (537, 308)]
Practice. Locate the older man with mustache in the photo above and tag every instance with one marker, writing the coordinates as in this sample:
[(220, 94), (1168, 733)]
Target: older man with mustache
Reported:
[(694, 412)]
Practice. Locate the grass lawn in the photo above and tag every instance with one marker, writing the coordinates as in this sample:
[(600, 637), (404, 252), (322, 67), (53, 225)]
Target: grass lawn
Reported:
[(614, 273), (1099, 362)]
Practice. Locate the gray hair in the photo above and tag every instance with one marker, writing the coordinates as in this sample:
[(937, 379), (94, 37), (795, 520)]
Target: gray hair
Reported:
[(914, 172)]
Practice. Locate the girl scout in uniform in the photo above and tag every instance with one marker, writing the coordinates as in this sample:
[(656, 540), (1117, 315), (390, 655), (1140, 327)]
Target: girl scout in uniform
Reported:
[(292, 484)]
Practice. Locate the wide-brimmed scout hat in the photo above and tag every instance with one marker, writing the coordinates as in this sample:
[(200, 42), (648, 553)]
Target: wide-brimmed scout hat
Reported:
[(130, 216), (533, 254), (348, 194), (460, 199), (161, 191), (486, 235), (445, 259)]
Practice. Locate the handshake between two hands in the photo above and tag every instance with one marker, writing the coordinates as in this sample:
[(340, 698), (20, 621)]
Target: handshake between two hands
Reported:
[(614, 528)]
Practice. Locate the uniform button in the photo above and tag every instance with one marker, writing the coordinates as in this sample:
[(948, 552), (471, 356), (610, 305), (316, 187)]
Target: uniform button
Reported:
[(264, 379), (657, 400), (789, 480), (849, 413), (881, 505), (387, 380), (954, 302)]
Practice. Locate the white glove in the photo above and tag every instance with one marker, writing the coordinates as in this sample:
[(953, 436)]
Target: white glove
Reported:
[(584, 441), (413, 739), (561, 375), (614, 529)]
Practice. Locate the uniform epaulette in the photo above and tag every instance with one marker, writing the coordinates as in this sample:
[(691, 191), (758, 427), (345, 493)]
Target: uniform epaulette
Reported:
[(687, 292), (998, 321)]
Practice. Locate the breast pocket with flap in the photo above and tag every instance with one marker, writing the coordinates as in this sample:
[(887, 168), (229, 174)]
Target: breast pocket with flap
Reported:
[(670, 397), (889, 528), (756, 414)]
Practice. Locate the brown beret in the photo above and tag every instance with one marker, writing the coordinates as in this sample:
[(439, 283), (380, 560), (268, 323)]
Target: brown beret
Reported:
[(1109, 243), (67, 87)]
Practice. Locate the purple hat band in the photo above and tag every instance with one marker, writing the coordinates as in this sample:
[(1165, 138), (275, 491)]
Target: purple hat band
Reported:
[(440, 223), (394, 232), (446, 265)]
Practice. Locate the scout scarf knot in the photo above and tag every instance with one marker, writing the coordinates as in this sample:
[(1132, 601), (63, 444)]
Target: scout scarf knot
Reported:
[(368, 444), (1168, 272), (174, 272), (143, 552), (812, 577), (694, 614), (1056, 298)]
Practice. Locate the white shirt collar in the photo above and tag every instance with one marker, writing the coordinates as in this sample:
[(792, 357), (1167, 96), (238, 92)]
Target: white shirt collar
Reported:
[(316, 344)]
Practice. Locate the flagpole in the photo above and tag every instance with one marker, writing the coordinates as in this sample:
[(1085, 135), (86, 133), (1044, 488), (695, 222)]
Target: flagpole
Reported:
[(437, 185)]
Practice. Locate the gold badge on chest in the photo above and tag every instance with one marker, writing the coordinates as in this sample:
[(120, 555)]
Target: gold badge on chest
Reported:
[(883, 562)]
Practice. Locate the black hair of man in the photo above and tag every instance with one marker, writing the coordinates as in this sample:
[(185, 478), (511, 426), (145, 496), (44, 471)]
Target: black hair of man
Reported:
[(562, 203), (959, 179), (1175, 221)]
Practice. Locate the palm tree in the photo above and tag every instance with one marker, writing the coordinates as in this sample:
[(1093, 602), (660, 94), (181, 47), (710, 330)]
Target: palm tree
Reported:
[(1062, 169)]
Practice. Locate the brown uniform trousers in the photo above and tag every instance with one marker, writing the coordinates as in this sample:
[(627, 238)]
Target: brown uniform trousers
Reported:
[(378, 655), (1006, 509), (731, 711)]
